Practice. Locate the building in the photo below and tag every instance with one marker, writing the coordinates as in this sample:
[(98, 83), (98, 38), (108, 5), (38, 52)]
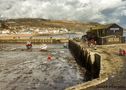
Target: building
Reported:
[(106, 34), (5, 32)]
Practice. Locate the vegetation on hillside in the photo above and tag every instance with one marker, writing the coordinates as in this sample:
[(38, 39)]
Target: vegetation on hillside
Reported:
[(44, 23)]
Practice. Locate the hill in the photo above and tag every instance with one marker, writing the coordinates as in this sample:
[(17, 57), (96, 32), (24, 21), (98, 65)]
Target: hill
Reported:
[(16, 24)]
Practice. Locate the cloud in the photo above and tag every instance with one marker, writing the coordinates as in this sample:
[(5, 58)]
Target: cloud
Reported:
[(104, 11)]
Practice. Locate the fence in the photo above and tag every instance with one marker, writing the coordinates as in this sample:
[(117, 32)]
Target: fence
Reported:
[(34, 41)]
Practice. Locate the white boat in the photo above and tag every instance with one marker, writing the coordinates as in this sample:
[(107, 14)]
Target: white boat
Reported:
[(43, 47)]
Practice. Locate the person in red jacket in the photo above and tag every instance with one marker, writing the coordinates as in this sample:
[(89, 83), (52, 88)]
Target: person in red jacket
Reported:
[(49, 57), (124, 52), (29, 45)]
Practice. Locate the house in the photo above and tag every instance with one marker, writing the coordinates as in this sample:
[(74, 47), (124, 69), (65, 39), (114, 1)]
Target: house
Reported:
[(106, 34), (5, 32)]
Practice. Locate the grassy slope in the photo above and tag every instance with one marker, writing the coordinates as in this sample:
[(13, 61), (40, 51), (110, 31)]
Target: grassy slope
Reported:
[(44, 23)]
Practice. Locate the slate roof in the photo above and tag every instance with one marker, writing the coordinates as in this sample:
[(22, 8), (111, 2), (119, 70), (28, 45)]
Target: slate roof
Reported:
[(102, 26)]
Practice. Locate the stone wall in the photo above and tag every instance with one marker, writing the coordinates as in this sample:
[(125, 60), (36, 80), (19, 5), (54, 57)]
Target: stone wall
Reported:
[(91, 61)]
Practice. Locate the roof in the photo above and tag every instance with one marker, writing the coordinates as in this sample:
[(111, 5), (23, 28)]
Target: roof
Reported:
[(102, 26)]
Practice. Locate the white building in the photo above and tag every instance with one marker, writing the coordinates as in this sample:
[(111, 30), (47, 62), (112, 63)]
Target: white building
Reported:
[(5, 32)]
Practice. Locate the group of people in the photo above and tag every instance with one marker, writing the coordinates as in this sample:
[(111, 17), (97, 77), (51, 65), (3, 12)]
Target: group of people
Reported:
[(42, 47), (91, 43)]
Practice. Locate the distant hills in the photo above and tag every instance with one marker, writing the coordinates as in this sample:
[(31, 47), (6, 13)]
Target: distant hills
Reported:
[(45, 23)]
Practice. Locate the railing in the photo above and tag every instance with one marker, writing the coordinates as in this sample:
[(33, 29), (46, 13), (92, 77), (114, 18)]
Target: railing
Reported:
[(35, 41)]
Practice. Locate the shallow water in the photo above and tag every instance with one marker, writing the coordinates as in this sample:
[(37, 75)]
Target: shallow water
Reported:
[(31, 70)]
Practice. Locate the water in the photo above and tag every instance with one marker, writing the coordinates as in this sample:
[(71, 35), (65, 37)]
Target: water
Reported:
[(62, 36), (56, 36)]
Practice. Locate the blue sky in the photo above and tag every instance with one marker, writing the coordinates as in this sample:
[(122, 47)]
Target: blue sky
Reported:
[(102, 11)]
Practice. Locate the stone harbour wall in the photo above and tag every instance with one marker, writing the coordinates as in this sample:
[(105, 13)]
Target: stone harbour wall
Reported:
[(87, 59), (91, 61)]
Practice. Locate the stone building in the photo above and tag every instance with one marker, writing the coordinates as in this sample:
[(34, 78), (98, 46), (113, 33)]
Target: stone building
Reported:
[(106, 34)]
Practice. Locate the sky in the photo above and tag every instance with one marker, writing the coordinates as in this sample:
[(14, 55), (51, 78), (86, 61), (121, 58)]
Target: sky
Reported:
[(102, 11)]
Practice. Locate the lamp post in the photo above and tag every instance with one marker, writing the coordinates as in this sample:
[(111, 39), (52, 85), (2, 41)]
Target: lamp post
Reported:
[(68, 34)]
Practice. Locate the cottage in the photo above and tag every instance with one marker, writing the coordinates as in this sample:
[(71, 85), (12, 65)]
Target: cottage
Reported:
[(106, 34)]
